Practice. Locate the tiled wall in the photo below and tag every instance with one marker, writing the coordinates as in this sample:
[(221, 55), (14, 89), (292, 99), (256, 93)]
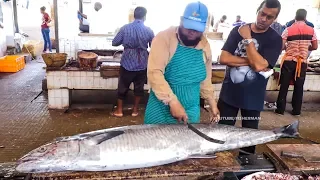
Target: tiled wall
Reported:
[(312, 83), (59, 83), (58, 98), (72, 45), (79, 80)]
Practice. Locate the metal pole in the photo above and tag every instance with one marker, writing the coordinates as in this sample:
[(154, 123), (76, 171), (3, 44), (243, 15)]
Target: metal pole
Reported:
[(80, 6), (15, 16), (1, 14), (56, 25)]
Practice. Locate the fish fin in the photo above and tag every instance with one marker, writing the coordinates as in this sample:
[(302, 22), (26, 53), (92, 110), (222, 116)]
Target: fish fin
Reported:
[(203, 156), (290, 131), (88, 135), (108, 135)]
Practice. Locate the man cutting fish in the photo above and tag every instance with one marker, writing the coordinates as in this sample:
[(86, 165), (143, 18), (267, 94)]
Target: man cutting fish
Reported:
[(179, 71), (249, 51)]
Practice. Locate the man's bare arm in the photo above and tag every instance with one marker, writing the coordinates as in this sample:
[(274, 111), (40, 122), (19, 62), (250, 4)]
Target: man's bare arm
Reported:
[(256, 61), (227, 58), (284, 44), (314, 45)]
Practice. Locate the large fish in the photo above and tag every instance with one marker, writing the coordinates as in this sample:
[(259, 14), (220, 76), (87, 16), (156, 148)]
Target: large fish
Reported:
[(142, 146)]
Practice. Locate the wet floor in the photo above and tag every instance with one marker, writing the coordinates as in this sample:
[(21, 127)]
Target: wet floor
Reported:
[(26, 123)]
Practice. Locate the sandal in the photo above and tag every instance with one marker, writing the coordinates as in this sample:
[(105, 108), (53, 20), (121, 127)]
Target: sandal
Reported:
[(116, 115), (135, 114)]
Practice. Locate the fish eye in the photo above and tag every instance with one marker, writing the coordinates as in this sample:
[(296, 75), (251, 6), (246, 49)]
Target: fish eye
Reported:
[(43, 149)]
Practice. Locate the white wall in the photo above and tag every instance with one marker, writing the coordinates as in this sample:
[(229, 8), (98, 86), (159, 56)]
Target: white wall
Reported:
[(161, 15), (1, 14), (8, 22)]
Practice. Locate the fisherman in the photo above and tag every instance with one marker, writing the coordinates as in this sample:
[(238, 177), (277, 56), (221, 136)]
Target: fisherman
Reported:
[(249, 52), (179, 71), (296, 42), (135, 38), (84, 25), (307, 23), (238, 22), (221, 22)]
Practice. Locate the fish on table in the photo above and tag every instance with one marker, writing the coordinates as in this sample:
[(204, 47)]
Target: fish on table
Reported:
[(141, 146)]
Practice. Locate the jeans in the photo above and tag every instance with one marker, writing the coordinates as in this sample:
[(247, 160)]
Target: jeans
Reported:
[(46, 38)]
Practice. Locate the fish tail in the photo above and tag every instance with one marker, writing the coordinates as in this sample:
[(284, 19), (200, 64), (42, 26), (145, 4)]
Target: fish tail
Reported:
[(289, 131)]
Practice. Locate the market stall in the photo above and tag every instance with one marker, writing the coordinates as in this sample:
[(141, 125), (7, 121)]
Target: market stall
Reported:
[(103, 75)]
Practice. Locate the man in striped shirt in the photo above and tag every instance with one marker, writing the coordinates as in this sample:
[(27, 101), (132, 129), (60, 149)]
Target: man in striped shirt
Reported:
[(135, 38), (296, 41), (238, 22)]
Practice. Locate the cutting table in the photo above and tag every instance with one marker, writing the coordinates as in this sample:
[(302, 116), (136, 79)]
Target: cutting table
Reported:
[(225, 162), (297, 165)]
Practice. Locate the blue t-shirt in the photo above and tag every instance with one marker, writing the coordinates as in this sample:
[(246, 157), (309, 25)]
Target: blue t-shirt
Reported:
[(242, 87)]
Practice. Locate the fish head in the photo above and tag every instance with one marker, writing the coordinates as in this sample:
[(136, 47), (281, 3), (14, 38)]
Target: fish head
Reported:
[(49, 157)]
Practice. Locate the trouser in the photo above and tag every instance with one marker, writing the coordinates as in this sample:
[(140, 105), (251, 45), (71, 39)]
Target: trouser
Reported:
[(139, 78), (46, 38), (250, 119), (84, 28), (287, 74)]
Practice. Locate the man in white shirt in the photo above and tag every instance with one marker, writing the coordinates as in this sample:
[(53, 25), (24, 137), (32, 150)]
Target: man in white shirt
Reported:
[(220, 22), (92, 23)]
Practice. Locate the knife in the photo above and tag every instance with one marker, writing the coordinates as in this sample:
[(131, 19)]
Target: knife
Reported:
[(204, 135), (291, 154), (296, 155)]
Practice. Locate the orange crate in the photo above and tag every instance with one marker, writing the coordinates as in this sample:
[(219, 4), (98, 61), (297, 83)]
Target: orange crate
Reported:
[(12, 63)]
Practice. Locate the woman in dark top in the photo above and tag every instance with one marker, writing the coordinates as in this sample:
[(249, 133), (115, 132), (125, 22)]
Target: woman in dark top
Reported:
[(45, 29)]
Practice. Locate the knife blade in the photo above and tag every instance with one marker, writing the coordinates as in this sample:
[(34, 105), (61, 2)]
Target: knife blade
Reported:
[(204, 135), (291, 154), (311, 159)]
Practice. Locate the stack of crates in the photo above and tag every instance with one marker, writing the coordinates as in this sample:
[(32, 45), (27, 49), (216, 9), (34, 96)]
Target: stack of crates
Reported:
[(12, 63)]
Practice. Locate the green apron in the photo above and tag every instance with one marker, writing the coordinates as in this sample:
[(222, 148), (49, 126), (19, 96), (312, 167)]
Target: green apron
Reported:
[(184, 73)]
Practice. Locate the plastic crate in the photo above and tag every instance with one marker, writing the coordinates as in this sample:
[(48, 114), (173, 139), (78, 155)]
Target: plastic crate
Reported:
[(12, 63)]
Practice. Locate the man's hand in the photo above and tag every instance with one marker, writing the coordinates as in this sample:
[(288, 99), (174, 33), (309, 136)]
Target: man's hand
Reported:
[(245, 31), (178, 112), (215, 113)]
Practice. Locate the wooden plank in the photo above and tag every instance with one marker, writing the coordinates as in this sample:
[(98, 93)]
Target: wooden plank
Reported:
[(297, 164), (8, 170), (224, 162)]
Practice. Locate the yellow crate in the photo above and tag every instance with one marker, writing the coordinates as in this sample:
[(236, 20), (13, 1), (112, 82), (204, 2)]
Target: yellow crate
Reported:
[(12, 63)]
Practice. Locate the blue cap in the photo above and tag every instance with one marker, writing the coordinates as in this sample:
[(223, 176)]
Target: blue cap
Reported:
[(195, 16)]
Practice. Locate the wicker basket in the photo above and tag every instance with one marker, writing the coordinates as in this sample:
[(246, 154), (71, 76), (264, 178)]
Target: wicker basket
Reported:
[(35, 48), (87, 60), (55, 59)]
